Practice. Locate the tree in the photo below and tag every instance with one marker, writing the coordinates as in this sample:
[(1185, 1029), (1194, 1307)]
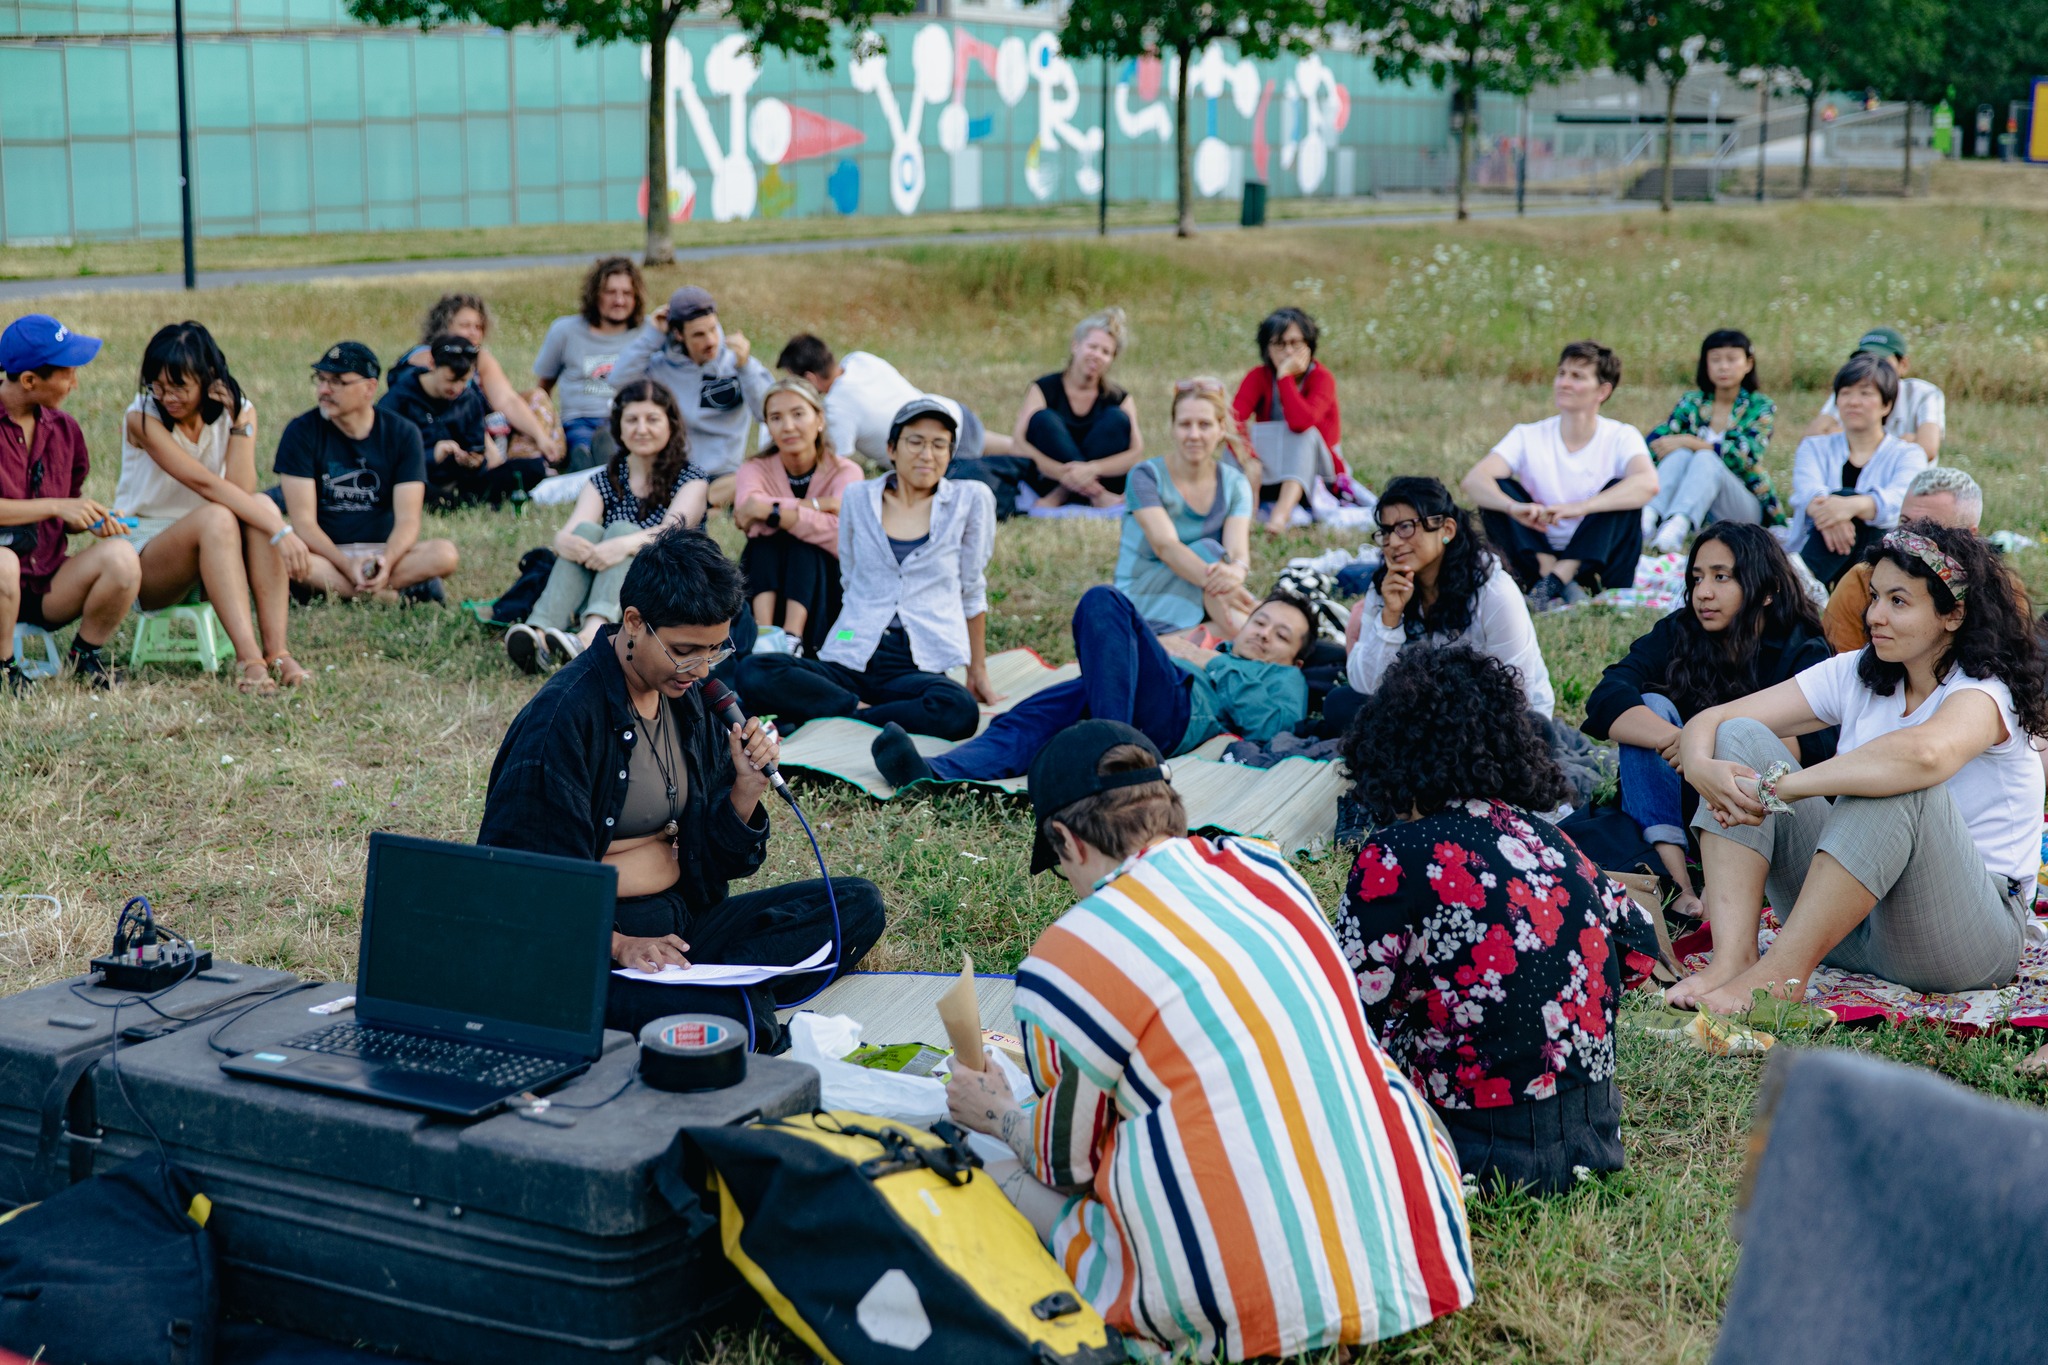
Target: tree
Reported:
[(1466, 46), (800, 28), (1121, 29), (1990, 55), (1667, 37), (1910, 66), (1851, 44)]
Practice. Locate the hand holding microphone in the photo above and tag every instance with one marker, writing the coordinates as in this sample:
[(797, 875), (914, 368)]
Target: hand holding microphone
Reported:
[(759, 748)]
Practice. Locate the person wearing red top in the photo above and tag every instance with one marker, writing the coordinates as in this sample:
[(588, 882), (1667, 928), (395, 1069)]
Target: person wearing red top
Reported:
[(43, 466), (1288, 386)]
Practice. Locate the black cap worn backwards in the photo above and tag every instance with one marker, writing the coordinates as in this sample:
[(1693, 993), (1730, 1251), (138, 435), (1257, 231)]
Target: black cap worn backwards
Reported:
[(349, 357), (1064, 772), (455, 352)]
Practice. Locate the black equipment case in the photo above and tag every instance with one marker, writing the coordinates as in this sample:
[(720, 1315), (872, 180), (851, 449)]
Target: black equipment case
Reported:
[(49, 1039), (572, 1236)]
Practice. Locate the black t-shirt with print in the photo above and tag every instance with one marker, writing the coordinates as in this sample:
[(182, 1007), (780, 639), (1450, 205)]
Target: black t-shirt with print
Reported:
[(353, 480)]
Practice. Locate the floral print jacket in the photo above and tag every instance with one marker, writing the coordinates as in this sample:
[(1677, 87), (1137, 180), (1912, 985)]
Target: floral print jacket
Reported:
[(1742, 445), (1489, 954)]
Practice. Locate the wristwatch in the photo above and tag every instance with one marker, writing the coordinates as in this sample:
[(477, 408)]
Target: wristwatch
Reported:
[(775, 514)]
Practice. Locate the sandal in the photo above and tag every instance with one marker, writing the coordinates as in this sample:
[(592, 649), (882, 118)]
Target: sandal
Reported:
[(258, 683), (290, 672)]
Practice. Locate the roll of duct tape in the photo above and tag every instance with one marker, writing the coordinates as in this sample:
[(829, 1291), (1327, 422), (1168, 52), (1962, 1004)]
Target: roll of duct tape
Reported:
[(685, 1052)]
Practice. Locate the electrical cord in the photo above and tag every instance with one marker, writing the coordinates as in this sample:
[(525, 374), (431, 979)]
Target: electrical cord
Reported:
[(280, 992), (114, 1052)]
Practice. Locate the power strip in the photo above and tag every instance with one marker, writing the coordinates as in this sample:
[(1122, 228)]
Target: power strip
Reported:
[(170, 963)]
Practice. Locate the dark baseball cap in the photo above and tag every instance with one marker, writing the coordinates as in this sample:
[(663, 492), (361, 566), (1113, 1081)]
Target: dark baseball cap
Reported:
[(925, 405), (349, 357), (31, 342), (457, 353), (1884, 341), (1064, 772), (691, 301)]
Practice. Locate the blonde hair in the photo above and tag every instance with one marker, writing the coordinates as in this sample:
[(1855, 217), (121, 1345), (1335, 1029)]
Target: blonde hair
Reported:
[(803, 389), (1209, 388), (1110, 320)]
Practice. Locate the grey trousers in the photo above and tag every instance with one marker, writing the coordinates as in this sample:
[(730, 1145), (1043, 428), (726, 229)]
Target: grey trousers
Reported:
[(1942, 921), (574, 592), (1699, 486)]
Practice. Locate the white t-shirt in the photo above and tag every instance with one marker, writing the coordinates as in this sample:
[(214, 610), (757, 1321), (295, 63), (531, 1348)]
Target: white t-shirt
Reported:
[(1999, 792), (1919, 401), (145, 490), (1536, 455), (864, 398)]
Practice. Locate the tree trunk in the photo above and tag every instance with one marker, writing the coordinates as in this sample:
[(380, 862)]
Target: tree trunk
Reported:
[(1806, 156), (1670, 127), (1763, 132), (659, 249), (1183, 158), (1906, 178), (1468, 109)]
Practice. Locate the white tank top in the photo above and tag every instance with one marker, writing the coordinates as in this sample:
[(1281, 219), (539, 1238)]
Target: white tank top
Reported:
[(145, 489)]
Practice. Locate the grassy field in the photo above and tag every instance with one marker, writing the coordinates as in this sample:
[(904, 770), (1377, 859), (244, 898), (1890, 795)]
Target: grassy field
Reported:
[(244, 819)]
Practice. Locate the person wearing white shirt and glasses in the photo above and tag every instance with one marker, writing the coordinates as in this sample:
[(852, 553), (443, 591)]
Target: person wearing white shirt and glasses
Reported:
[(1912, 854), (1562, 498), (1921, 414)]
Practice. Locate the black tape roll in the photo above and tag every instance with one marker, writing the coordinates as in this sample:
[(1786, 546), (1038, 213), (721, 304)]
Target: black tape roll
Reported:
[(686, 1052)]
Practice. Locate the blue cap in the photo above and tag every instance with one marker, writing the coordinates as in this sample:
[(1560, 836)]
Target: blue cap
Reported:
[(37, 340)]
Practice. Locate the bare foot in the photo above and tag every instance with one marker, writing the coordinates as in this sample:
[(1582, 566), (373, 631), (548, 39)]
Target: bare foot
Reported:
[(2036, 1063), (1725, 967), (1687, 904), (1736, 995)]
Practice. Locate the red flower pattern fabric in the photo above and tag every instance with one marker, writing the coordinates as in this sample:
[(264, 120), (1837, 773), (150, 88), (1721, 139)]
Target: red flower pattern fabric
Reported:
[(1488, 952)]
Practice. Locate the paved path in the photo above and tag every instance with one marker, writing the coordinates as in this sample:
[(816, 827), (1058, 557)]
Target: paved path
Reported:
[(11, 290)]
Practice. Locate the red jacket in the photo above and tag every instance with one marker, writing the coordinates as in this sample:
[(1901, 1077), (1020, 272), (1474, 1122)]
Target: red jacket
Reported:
[(1307, 401)]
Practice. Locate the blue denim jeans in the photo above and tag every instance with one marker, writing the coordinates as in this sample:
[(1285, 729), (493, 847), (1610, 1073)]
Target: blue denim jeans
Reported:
[(1126, 675), (1651, 792)]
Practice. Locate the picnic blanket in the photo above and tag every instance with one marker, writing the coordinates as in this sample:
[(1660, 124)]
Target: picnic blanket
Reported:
[(1853, 996), (1293, 803)]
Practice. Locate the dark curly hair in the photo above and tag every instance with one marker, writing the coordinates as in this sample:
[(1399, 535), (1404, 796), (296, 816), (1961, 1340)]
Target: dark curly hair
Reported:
[(593, 289), (1467, 563), (444, 310), (1711, 667), (661, 478), (1997, 638), (1449, 724)]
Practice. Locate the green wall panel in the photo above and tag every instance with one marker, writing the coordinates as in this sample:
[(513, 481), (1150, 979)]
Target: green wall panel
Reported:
[(108, 208), (31, 93), (219, 85), (336, 90), (96, 89), (34, 184)]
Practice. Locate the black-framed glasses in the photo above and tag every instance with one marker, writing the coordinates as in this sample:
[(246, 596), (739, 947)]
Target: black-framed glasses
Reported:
[(692, 662), (1405, 529)]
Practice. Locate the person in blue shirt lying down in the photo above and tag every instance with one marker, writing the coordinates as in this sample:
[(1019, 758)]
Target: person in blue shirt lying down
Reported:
[(1178, 693)]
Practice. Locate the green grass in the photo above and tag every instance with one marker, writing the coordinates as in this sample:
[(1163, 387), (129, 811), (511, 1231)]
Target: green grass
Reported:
[(262, 856)]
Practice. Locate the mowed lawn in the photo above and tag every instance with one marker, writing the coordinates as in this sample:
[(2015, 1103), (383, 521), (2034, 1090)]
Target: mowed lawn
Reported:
[(244, 819)]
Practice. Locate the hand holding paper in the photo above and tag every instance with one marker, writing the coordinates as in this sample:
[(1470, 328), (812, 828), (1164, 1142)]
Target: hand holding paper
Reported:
[(960, 1012)]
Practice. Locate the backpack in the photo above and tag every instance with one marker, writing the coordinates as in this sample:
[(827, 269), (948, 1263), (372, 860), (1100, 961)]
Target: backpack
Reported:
[(534, 567), (875, 1242)]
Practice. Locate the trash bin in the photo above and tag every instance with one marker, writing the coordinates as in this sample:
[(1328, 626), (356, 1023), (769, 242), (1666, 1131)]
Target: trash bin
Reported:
[(1254, 214)]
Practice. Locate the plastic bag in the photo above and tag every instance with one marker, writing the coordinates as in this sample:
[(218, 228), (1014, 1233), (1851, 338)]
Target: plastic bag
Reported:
[(821, 1040)]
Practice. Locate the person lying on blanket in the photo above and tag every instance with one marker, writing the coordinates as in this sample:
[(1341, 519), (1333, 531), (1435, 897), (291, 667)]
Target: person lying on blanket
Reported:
[(1216, 1149), (1179, 694)]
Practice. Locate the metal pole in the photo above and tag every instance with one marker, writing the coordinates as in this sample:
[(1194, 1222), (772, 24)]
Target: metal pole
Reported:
[(184, 142), (1763, 133), (1522, 157), (1102, 201)]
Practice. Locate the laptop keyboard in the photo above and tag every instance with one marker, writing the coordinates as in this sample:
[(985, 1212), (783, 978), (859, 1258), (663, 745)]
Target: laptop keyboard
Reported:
[(430, 1056)]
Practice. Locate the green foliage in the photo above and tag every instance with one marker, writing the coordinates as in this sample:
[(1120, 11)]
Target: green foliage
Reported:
[(1668, 36), (1508, 46), (799, 29), (1132, 28)]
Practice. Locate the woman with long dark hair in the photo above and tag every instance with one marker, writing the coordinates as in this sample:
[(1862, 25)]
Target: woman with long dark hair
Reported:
[(1710, 450), (1440, 581), (1488, 950), (1912, 854), (188, 476), (648, 486), (1746, 625), (1287, 404)]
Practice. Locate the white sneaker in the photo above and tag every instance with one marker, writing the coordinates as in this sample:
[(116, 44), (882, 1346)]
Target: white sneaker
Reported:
[(774, 640), (525, 647), (561, 646), (1671, 535), (1650, 520)]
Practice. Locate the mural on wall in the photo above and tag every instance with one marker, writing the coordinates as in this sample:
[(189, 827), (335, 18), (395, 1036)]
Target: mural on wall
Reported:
[(953, 89)]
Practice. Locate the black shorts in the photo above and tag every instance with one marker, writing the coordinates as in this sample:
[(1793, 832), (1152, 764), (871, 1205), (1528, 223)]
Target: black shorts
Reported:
[(31, 613)]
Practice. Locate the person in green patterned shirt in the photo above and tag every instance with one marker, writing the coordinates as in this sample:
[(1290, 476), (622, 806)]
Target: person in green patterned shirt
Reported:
[(1710, 450)]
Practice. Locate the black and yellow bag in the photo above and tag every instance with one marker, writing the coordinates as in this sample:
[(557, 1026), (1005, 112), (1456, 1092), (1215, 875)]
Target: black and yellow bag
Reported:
[(875, 1242)]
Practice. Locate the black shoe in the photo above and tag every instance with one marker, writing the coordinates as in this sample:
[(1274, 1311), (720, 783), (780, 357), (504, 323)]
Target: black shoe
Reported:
[(302, 594), (897, 757), (429, 591), (523, 645), (1547, 595), (89, 665), (13, 682)]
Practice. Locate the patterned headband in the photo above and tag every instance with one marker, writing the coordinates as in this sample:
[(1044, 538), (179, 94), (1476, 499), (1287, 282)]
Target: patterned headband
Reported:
[(1934, 557)]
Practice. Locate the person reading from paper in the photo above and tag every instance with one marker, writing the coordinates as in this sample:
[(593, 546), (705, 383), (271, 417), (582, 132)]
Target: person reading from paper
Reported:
[(618, 759), (1216, 1148)]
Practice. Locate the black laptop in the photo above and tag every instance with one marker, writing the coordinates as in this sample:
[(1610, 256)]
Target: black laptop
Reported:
[(482, 976)]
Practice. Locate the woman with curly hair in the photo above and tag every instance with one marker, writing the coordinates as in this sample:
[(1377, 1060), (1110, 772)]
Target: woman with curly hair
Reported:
[(1746, 625), (1488, 949), (1912, 854), (577, 355)]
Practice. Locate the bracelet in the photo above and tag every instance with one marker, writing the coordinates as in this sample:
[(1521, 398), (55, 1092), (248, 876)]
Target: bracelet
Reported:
[(285, 531), (1767, 788)]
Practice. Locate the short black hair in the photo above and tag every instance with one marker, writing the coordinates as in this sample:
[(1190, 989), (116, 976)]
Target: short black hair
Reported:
[(1449, 724), (1275, 326), (40, 372), (1606, 364), (805, 354), (1720, 338), (1876, 370), (682, 578)]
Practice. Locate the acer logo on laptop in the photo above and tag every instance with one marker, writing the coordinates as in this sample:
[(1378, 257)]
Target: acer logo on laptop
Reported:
[(473, 1028)]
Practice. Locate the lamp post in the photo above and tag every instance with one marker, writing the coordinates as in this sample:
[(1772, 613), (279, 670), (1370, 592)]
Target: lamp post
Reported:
[(1102, 200), (184, 142)]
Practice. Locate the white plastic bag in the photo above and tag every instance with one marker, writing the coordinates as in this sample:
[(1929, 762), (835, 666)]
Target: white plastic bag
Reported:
[(821, 1040)]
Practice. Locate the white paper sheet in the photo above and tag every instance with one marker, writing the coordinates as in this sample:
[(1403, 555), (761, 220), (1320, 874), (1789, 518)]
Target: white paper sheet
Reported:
[(724, 973)]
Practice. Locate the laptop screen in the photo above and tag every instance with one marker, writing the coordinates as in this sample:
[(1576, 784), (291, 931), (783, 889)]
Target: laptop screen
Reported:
[(486, 943)]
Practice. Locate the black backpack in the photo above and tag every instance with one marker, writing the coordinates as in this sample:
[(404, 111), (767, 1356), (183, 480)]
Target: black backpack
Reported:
[(534, 567)]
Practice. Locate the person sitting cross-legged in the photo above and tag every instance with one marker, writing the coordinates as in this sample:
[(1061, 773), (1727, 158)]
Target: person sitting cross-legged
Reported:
[(1912, 854), (464, 465), (1179, 694), (1487, 948), (1214, 1147), (1563, 497), (1939, 493), (648, 485), (618, 759), (353, 482)]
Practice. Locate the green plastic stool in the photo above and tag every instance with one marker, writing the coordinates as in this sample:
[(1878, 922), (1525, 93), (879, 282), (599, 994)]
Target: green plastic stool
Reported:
[(49, 665), (188, 633)]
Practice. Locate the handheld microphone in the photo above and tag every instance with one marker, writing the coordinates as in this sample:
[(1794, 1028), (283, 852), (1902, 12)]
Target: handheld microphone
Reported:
[(726, 705)]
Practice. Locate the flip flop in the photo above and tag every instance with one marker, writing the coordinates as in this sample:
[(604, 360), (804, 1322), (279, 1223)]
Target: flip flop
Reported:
[(1767, 1011), (477, 609)]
